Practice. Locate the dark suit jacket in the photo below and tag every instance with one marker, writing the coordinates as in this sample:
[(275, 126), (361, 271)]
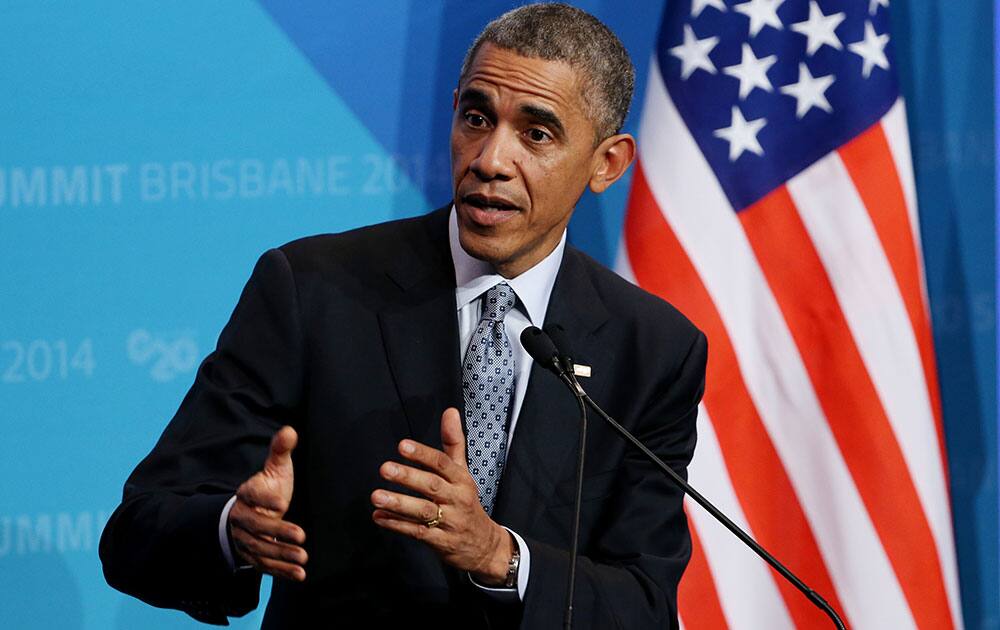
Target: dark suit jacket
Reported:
[(353, 340)]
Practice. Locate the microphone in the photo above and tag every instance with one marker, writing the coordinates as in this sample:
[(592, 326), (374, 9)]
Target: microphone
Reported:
[(539, 345), (581, 395), (564, 347), (542, 350)]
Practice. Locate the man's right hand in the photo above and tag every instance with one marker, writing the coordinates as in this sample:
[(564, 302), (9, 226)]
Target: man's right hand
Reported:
[(260, 535)]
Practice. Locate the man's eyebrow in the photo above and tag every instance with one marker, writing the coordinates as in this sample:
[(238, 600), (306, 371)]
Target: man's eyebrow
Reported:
[(546, 117), (472, 96)]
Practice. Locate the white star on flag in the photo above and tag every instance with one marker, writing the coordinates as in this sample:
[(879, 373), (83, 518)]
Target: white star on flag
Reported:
[(809, 91), (871, 49), (752, 72), (819, 29), (742, 135), (873, 5), (697, 6), (761, 13), (693, 53)]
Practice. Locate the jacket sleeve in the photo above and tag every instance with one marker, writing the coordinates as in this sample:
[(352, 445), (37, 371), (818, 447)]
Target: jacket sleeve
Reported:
[(627, 576), (161, 544)]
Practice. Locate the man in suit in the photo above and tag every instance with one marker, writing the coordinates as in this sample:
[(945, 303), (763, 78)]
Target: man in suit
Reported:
[(369, 430)]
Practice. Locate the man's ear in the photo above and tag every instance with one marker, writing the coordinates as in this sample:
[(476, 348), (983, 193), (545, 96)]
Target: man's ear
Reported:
[(454, 99), (612, 158)]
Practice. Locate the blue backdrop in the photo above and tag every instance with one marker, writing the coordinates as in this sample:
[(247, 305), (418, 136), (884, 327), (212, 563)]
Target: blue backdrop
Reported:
[(151, 151)]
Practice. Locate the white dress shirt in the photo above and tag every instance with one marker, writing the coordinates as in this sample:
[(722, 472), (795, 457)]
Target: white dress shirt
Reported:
[(473, 278)]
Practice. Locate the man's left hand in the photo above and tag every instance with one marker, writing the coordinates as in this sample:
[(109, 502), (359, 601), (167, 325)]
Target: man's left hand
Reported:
[(464, 536)]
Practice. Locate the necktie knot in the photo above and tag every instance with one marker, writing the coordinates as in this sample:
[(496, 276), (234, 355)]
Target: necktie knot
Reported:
[(498, 302)]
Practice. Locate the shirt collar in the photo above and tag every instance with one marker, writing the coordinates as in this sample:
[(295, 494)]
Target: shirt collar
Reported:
[(473, 277)]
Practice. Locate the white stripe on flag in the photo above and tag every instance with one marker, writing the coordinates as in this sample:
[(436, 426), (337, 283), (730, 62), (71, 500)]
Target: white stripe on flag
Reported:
[(898, 137), (622, 265), (846, 241), (747, 591), (693, 204)]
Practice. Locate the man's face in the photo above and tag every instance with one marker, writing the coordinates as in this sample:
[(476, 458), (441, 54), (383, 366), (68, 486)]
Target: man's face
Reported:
[(522, 151)]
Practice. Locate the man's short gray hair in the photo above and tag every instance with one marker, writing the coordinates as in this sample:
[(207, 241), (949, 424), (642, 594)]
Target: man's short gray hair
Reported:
[(559, 32)]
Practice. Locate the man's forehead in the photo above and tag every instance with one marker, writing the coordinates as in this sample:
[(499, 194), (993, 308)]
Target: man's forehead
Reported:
[(498, 71)]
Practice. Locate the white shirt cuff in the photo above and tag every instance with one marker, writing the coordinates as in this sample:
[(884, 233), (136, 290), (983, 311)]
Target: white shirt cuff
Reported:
[(227, 548), (508, 594)]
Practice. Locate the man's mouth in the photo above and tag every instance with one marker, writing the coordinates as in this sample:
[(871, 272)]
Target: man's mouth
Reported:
[(488, 212), (488, 203)]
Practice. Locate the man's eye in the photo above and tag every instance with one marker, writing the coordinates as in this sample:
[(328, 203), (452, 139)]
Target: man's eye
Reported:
[(475, 120), (537, 135)]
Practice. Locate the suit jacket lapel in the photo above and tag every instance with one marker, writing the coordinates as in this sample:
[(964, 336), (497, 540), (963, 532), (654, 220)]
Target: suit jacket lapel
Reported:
[(420, 330), (547, 432)]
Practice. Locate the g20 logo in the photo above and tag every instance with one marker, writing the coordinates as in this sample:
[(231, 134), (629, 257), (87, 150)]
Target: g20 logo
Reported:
[(166, 354)]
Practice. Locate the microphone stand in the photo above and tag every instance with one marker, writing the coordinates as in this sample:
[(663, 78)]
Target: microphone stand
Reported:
[(569, 379), (539, 345), (810, 594)]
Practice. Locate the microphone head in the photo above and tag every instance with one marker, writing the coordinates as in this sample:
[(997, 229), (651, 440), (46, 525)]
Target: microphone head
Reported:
[(563, 345), (537, 344)]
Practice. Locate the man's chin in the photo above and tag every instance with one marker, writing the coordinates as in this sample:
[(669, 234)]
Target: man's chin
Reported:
[(482, 247)]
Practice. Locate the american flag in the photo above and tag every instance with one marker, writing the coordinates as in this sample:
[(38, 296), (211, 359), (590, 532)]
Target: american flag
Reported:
[(773, 202)]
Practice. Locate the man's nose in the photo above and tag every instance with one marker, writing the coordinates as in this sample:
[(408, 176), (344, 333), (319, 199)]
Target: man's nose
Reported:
[(496, 156)]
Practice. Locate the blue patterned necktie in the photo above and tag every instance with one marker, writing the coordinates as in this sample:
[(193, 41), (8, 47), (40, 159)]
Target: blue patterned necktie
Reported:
[(488, 385)]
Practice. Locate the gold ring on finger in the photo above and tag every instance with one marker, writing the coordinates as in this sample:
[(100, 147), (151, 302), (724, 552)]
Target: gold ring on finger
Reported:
[(434, 522)]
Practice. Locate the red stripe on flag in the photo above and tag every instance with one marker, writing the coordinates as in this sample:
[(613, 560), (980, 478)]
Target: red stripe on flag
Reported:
[(697, 598), (766, 495), (848, 397), (869, 162)]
